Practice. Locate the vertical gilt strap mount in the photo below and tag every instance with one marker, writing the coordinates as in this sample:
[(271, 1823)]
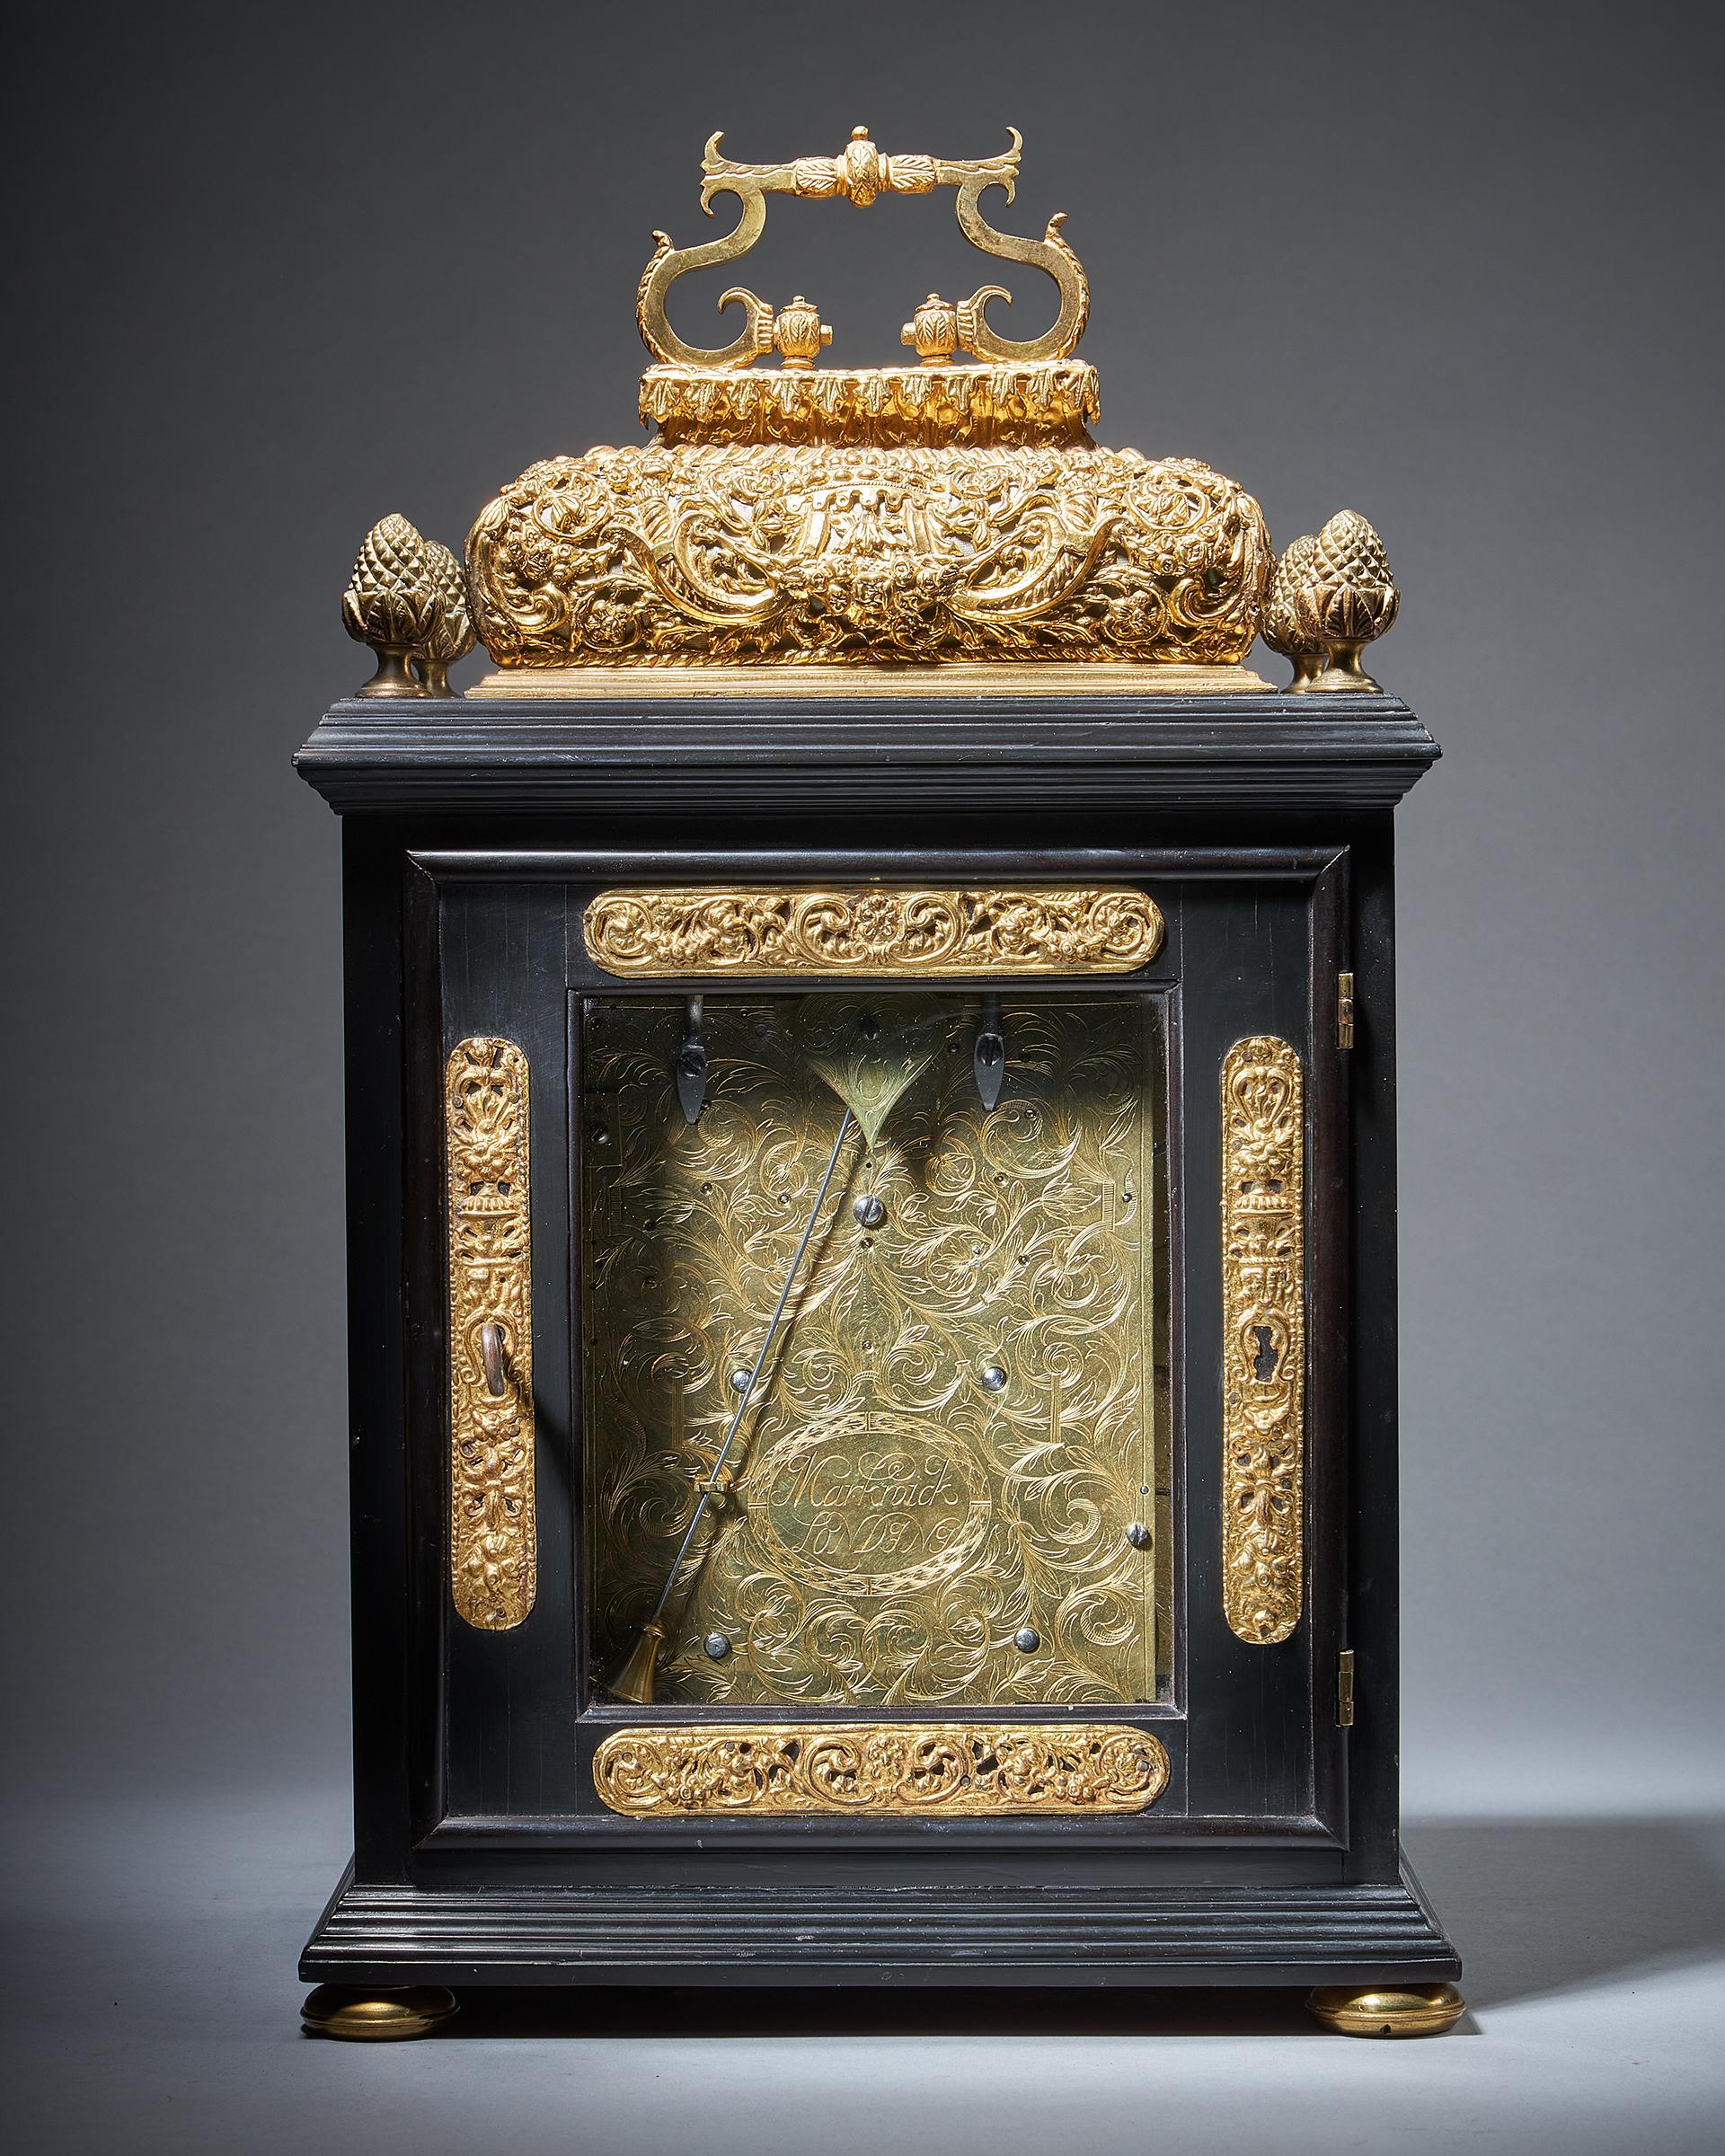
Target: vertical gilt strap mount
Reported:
[(493, 1542), (1263, 1338)]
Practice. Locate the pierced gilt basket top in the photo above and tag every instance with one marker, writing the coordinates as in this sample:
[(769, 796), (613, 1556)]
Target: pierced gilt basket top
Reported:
[(949, 510)]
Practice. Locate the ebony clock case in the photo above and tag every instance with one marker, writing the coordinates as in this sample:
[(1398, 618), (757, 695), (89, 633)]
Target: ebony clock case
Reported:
[(473, 833)]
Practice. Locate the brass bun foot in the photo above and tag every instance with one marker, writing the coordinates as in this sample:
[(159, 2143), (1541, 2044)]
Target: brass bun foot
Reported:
[(357, 2016), (1393, 2009)]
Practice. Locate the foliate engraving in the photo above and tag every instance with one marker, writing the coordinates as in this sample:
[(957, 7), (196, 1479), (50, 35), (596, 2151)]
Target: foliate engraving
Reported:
[(1263, 1340), (493, 1555), (960, 1417), (872, 929), (886, 1505), (907, 1769)]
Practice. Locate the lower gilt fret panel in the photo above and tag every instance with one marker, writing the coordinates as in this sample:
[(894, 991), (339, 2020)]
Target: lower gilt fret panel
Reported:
[(931, 1770)]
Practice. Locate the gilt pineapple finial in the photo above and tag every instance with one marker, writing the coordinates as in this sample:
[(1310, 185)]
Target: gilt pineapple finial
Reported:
[(389, 604), (1334, 598), (1281, 628), (451, 634), (407, 599)]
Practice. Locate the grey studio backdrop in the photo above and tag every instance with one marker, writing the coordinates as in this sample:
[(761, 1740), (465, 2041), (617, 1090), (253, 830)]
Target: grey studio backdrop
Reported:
[(278, 271)]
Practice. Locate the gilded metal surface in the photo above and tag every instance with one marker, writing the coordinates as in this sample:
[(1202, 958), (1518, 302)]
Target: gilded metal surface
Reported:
[(335, 2009), (816, 516), (861, 174), (451, 635), (1283, 626), (407, 598), (979, 407), (931, 1770), (1336, 596), (390, 603), (870, 1060), (1387, 2010), (933, 331), (1263, 1338), (872, 682), (896, 1515), (871, 929), (791, 554), (493, 1549)]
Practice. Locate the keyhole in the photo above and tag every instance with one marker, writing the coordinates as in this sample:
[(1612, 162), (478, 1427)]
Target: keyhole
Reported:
[(1263, 1364)]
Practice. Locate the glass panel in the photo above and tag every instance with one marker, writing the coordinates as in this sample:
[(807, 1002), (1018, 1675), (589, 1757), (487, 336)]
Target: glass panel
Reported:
[(949, 1483)]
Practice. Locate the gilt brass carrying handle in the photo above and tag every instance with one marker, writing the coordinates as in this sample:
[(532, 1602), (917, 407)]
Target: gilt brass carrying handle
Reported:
[(860, 174)]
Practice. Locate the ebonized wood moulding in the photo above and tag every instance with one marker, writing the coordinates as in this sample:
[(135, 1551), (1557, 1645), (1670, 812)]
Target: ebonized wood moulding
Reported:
[(375, 756), (998, 1934)]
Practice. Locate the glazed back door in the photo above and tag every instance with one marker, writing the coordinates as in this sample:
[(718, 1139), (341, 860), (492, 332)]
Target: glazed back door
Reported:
[(941, 1422)]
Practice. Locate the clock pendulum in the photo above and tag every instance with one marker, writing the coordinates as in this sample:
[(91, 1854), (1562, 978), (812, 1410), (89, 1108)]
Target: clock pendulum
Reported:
[(634, 1680), (870, 1067)]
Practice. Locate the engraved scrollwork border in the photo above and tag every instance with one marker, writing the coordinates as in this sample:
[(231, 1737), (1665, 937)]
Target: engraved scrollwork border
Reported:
[(929, 1770), (871, 931), (493, 1553), (1263, 1338)]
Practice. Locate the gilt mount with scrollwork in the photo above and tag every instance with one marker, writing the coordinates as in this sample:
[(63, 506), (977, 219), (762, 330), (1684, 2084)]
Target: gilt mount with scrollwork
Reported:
[(952, 509), (948, 508)]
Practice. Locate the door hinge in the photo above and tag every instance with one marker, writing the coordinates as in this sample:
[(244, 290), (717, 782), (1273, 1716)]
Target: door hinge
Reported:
[(1345, 1689), (1344, 1010)]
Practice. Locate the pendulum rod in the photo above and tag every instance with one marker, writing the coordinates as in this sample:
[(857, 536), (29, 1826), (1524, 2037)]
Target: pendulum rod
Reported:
[(634, 1681)]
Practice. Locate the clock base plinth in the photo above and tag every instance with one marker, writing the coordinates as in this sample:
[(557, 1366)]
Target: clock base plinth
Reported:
[(806, 1929), (376, 2017), (1406, 2009)]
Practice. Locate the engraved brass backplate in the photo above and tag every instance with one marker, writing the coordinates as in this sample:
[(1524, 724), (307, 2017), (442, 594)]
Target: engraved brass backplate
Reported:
[(493, 1551), (1263, 1338), (950, 1484), (907, 1769), (872, 929)]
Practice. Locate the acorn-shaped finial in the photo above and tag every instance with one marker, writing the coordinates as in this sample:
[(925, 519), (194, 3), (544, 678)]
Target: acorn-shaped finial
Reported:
[(799, 332), (1346, 597), (390, 604), (934, 330), (1280, 626), (451, 635)]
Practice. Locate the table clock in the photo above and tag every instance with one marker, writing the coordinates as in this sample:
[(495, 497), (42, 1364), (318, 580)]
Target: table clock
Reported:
[(871, 1230)]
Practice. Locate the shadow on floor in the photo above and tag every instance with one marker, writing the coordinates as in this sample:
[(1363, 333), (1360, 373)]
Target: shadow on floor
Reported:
[(1534, 1905), (1537, 1906), (901, 2012)]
